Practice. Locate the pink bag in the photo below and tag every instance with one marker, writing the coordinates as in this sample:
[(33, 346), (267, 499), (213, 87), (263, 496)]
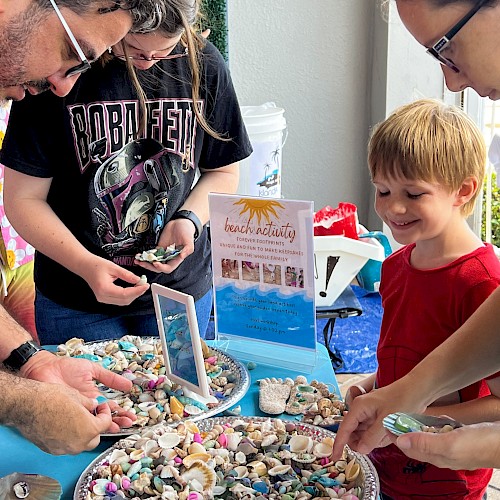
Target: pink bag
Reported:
[(342, 221)]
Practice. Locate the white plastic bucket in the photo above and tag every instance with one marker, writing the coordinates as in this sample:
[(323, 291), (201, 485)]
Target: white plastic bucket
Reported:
[(260, 173), (337, 260)]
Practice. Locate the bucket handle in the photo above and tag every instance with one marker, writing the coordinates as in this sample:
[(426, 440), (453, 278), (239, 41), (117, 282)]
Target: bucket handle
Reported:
[(285, 134)]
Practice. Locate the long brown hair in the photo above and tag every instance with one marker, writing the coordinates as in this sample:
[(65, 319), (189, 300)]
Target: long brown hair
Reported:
[(184, 17)]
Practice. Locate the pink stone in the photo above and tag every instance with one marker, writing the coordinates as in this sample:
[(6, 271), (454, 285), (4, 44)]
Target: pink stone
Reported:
[(178, 460), (211, 360), (222, 440), (197, 438), (125, 483), (111, 487)]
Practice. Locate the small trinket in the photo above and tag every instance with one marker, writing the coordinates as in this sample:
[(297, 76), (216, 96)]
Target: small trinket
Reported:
[(402, 423), (142, 281), (32, 486), (159, 254)]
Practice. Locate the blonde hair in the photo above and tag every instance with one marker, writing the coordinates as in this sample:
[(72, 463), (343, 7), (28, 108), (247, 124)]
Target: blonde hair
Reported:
[(430, 141)]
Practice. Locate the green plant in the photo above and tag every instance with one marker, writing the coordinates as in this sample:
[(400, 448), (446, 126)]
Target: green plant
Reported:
[(495, 212), (215, 18)]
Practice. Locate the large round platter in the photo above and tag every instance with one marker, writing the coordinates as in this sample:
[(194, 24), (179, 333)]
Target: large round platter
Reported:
[(365, 484), (238, 369)]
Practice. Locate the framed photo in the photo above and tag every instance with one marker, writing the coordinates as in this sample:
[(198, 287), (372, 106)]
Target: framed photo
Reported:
[(180, 338)]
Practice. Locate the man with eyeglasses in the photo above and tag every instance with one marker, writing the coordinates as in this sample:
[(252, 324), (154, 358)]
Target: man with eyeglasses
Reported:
[(46, 45), (464, 36)]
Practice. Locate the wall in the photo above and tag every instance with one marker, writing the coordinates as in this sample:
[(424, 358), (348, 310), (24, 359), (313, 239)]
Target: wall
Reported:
[(312, 58), (337, 68)]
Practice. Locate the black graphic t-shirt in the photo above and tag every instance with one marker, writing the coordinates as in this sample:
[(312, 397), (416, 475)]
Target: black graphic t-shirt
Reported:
[(114, 193)]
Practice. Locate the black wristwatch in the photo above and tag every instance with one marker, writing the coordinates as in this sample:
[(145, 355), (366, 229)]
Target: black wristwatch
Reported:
[(188, 214), (19, 356)]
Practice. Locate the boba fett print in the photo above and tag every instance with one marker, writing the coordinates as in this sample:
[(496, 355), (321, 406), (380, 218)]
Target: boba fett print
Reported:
[(132, 190)]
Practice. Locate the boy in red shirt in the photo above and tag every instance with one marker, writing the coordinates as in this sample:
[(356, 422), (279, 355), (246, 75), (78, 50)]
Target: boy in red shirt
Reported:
[(427, 162)]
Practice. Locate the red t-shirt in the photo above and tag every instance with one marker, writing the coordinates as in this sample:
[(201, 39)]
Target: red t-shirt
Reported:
[(422, 308)]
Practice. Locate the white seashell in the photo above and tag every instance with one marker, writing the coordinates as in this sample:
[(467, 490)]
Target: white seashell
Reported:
[(190, 460), (192, 410), (352, 470), (341, 465), (117, 457), (279, 469), (258, 467), (300, 444), (147, 405), (240, 457), (241, 471), (169, 440), (169, 454), (99, 487), (233, 440), (145, 348), (196, 448), (269, 439), (242, 490), (322, 450), (145, 397), (202, 474), (304, 458), (219, 490)]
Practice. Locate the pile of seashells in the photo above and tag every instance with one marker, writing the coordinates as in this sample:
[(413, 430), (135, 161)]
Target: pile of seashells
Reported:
[(153, 397), (327, 412), (229, 458)]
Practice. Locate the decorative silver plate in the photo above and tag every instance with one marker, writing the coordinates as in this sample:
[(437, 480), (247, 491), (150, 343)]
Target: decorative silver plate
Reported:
[(368, 477), (242, 383)]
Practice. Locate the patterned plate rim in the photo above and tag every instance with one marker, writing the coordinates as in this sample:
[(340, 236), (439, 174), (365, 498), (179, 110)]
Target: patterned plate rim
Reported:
[(371, 487), (237, 394)]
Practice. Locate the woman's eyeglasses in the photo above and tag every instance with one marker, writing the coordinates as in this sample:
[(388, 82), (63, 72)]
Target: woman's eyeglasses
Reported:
[(442, 44)]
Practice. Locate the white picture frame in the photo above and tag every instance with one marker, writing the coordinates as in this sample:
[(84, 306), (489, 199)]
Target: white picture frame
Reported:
[(180, 338)]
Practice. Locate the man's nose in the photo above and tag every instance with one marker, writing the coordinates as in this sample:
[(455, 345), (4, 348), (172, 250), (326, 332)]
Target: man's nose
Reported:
[(62, 85)]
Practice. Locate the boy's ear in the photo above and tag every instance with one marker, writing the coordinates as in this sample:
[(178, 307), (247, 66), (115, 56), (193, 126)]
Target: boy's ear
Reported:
[(466, 191)]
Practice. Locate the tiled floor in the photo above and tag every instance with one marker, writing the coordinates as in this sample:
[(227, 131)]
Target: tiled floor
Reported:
[(347, 379)]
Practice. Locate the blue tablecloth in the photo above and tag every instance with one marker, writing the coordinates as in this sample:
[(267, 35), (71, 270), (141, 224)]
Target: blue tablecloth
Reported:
[(19, 455)]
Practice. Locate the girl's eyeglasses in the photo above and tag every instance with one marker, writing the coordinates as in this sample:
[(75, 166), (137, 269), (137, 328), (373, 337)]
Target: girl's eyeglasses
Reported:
[(142, 57)]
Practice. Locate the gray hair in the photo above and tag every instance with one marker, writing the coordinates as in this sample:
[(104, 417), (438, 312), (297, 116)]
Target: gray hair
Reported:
[(147, 15), (179, 16)]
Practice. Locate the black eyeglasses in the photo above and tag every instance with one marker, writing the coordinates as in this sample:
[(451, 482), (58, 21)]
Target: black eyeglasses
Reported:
[(142, 57), (443, 42), (84, 65)]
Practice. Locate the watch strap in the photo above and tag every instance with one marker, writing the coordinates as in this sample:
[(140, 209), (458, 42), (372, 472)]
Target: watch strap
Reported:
[(18, 357), (188, 214)]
